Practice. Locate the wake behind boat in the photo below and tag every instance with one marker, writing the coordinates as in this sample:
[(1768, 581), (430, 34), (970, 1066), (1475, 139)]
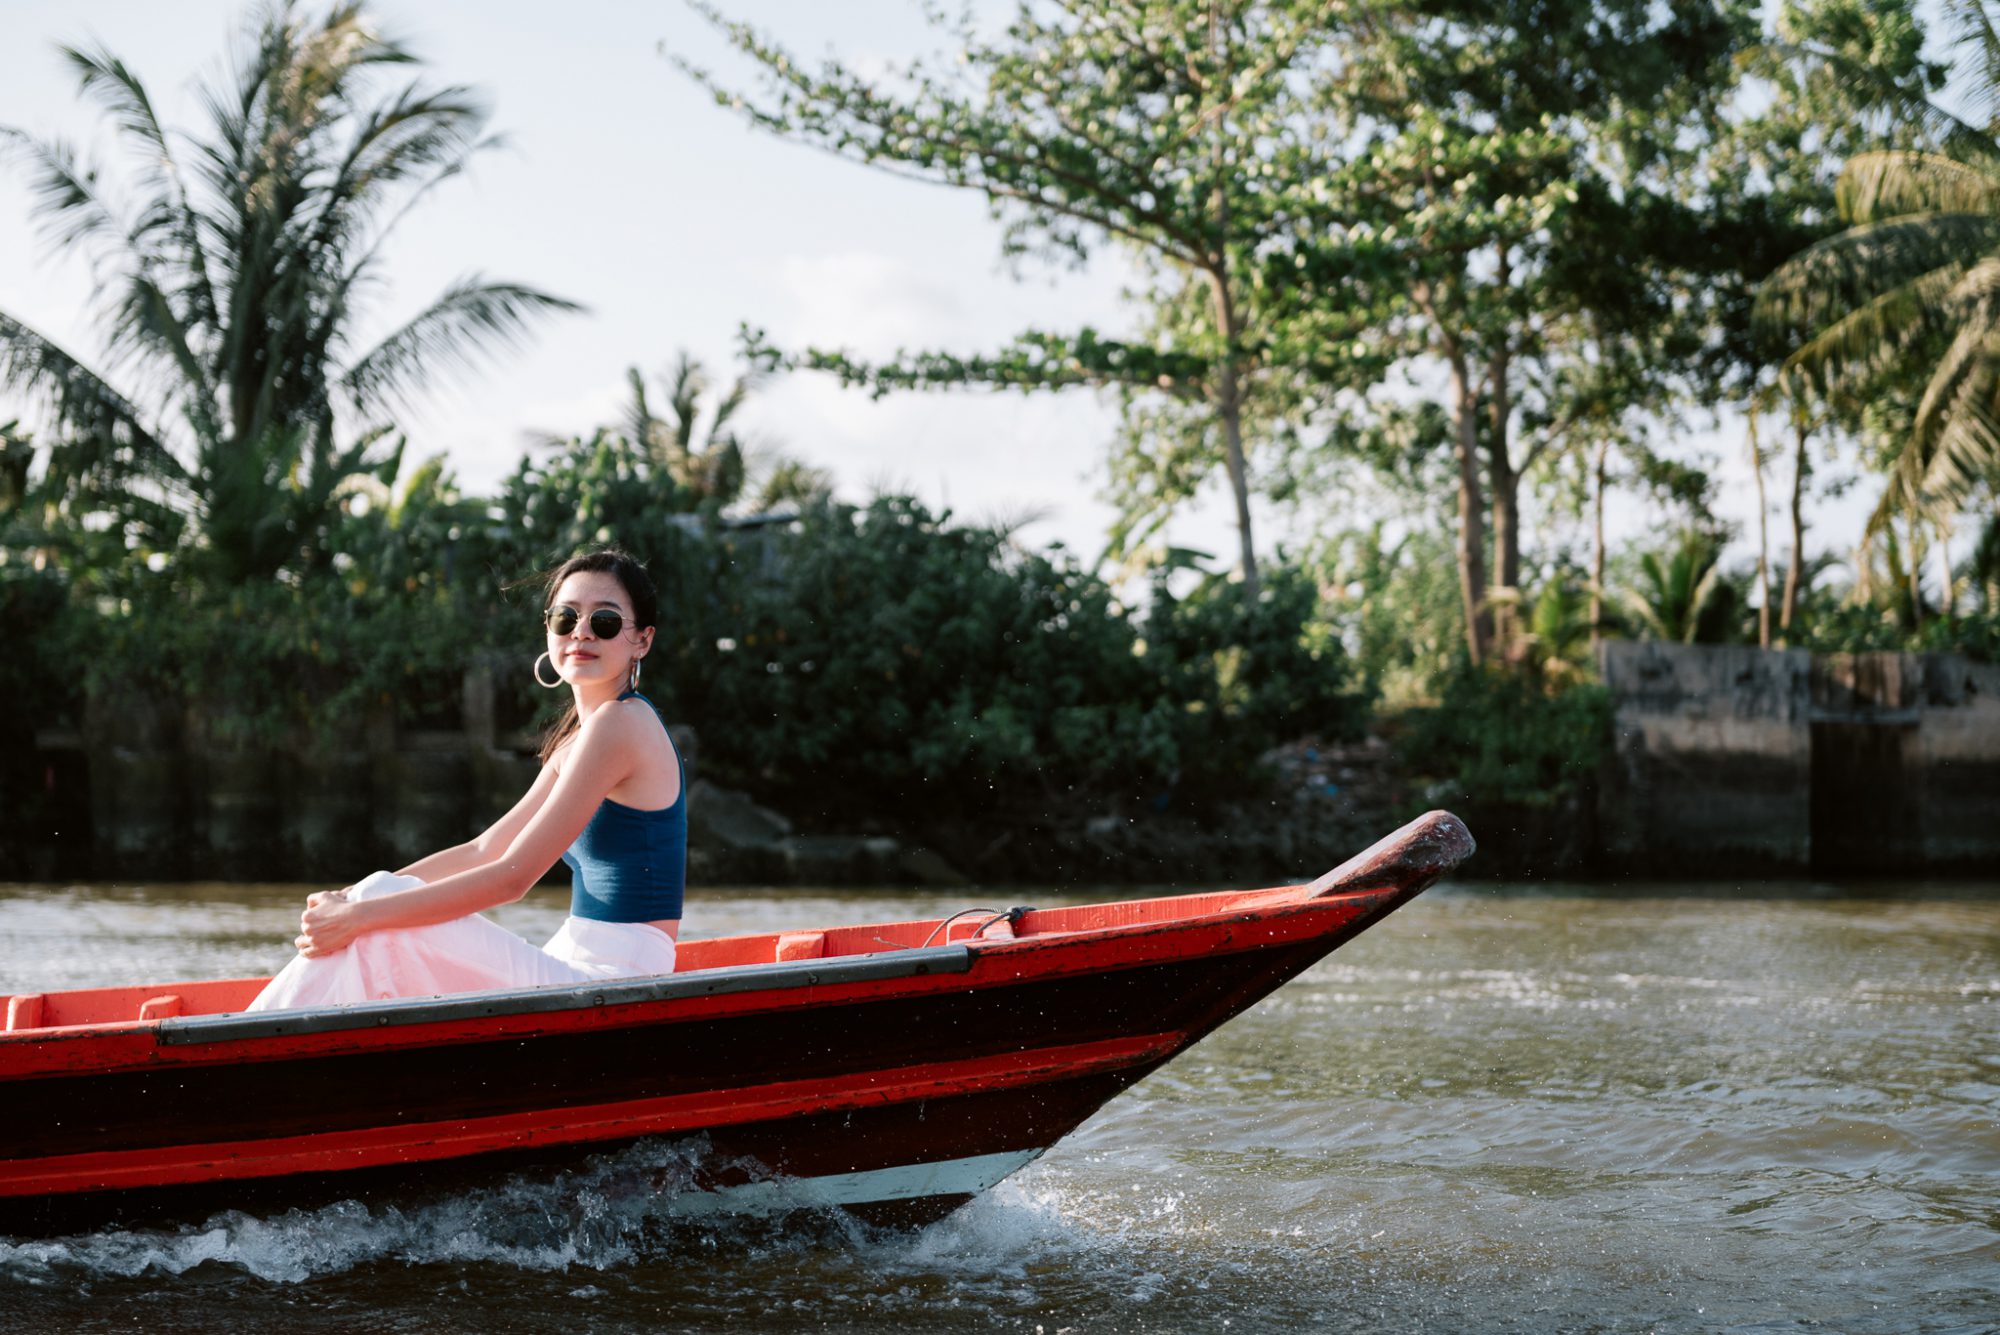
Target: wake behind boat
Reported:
[(894, 1069)]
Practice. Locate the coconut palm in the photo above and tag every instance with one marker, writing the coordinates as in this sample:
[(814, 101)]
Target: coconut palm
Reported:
[(1681, 595), (791, 483), (1912, 286), (708, 463), (231, 403)]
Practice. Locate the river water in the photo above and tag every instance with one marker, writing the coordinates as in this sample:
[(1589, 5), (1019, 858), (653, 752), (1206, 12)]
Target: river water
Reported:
[(1663, 1108)]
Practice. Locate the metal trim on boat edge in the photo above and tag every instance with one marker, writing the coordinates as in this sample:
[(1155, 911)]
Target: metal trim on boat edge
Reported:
[(527, 1001)]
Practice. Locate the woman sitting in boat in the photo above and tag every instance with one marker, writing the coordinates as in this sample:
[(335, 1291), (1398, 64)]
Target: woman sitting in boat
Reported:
[(609, 801)]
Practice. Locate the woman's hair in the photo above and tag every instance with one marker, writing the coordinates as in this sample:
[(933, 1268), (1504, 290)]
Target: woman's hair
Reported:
[(638, 586)]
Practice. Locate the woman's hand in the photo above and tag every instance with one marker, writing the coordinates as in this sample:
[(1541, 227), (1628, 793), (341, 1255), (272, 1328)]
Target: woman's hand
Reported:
[(329, 924)]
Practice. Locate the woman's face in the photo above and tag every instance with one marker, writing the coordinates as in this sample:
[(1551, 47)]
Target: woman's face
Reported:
[(582, 657)]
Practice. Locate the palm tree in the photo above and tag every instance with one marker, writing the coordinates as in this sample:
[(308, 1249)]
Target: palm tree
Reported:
[(1679, 597), (1915, 276), (704, 453), (710, 464), (790, 483), (232, 404)]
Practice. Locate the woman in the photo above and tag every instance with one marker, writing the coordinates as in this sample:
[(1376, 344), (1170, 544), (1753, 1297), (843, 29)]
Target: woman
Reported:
[(609, 801)]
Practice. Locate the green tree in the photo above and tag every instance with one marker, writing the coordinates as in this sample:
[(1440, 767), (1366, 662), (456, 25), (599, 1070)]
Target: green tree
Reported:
[(706, 460), (1682, 594), (234, 405), (1180, 129), (1901, 302), (1514, 192), (1813, 99)]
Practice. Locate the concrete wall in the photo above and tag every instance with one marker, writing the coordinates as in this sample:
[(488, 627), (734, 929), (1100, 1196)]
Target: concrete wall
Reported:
[(1730, 760), (1711, 761), (143, 790)]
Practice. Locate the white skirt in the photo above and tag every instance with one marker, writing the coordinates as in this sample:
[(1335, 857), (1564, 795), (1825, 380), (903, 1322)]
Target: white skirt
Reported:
[(469, 954)]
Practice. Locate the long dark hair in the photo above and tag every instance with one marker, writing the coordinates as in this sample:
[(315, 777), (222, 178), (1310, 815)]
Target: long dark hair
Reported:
[(638, 586)]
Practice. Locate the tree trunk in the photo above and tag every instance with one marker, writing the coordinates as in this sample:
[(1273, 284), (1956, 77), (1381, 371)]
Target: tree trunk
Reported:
[(1795, 570), (1914, 562), (1229, 406), (1948, 597), (1597, 549), (1763, 540), (1506, 488), (1230, 399), (1505, 481), (1471, 515)]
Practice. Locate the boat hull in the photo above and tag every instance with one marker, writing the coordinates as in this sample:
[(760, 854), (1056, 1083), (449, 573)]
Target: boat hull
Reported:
[(898, 1083)]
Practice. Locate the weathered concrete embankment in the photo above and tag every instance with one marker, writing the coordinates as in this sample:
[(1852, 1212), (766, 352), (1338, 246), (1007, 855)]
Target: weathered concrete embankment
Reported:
[(1734, 761), (1723, 761)]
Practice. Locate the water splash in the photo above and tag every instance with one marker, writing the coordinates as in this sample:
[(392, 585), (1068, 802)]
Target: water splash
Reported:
[(604, 1214)]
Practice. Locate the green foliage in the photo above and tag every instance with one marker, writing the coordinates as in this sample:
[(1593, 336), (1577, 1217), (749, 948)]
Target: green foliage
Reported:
[(282, 664), (35, 617), (1184, 132), (582, 492), (1395, 596), (231, 293), (1497, 735), (901, 664), (1682, 594), (1898, 305), (1252, 668), (1558, 641), (879, 661)]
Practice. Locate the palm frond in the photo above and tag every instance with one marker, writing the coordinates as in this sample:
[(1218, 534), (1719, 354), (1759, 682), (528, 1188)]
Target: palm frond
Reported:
[(470, 321), (686, 383), (1698, 600), (1644, 612), (1944, 466), (1834, 276), (1866, 86), (1969, 347), (1976, 37), (1874, 187), (732, 402), (639, 419), (171, 215), (416, 133), (1866, 340), (82, 400), (67, 197)]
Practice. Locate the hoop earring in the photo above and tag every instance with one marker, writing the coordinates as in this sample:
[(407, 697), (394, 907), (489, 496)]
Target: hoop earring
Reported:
[(632, 678), (547, 685)]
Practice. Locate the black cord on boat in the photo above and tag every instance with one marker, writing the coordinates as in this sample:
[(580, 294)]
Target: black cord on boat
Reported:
[(1013, 917), (962, 913)]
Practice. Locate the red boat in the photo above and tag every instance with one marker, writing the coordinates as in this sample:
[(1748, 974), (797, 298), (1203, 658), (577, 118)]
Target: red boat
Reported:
[(893, 1069)]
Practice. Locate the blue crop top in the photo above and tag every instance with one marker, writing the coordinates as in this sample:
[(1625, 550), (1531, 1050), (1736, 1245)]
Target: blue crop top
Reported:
[(630, 865)]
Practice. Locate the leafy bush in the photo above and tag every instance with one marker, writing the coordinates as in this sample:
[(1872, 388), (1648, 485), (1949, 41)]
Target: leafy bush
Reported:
[(1852, 628), (1497, 736), (881, 660), (35, 621), (854, 664), (1251, 674)]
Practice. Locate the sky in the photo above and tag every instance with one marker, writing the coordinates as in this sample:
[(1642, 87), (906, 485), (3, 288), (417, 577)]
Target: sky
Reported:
[(623, 186)]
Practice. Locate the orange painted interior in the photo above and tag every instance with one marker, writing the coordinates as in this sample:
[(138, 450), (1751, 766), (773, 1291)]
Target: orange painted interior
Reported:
[(157, 1001)]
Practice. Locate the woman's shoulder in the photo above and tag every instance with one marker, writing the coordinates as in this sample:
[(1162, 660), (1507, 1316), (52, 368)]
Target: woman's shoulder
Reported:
[(627, 719)]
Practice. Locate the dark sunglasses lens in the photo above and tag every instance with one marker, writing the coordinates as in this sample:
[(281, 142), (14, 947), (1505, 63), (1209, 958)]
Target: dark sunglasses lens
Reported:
[(606, 624), (561, 620)]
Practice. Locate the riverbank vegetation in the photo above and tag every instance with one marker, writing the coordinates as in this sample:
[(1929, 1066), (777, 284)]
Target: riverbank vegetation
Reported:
[(1451, 290)]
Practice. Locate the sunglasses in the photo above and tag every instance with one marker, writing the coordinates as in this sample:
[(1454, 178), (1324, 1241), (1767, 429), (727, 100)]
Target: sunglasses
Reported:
[(605, 622)]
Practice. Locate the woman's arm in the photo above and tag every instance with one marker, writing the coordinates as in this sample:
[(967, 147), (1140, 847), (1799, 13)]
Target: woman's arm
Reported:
[(599, 758), (489, 844)]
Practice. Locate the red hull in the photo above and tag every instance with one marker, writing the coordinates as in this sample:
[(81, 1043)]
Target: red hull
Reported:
[(868, 1069)]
